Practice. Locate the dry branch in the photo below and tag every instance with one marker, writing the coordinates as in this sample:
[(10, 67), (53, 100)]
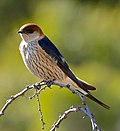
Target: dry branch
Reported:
[(39, 87)]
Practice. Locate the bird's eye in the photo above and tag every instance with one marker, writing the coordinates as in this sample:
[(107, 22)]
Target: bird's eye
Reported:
[(29, 30)]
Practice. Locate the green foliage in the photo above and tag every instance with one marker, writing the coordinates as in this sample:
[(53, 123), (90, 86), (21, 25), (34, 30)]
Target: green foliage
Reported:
[(88, 37), (106, 2)]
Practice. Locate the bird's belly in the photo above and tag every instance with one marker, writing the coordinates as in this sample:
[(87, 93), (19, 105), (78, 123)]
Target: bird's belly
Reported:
[(41, 65)]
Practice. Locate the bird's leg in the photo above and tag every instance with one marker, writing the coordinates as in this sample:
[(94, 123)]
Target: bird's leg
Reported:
[(49, 82), (68, 86)]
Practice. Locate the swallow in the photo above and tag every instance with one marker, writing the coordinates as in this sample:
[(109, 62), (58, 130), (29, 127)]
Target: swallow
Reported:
[(45, 61)]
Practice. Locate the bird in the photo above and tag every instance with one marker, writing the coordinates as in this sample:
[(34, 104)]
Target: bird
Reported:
[(44, 60)]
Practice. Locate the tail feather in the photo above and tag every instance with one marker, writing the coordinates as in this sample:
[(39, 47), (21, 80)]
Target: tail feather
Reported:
[(97, 101), (85, 92), (86, 85)]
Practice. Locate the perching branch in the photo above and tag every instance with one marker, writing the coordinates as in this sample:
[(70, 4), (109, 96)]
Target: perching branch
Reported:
[(39, 87)]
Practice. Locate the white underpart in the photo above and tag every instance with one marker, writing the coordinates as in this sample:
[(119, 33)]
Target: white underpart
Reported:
[(23, 51)]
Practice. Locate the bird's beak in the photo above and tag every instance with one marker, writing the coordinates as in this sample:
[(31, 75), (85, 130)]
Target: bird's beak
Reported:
[(20, 31)]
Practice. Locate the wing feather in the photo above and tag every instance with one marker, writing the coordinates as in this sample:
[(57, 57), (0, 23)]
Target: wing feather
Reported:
[(51, 50)]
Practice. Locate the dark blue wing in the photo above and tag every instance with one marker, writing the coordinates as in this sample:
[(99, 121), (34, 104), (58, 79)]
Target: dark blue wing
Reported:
[(54, 53), (45, 43)]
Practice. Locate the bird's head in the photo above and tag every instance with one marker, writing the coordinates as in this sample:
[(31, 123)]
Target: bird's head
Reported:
[(30, 32)]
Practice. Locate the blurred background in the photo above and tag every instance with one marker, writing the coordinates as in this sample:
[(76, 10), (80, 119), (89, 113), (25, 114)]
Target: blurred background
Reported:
[(87, 32)]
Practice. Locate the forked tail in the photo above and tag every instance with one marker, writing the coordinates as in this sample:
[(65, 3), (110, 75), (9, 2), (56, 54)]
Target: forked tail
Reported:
[(85, 92), (97, 101)]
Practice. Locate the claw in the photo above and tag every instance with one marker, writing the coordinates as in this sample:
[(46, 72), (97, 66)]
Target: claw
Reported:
[(49, 83)]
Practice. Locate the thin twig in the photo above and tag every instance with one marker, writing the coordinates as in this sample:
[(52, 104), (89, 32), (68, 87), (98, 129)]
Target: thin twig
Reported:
[(40, 110), (14, 97), (64, 116)]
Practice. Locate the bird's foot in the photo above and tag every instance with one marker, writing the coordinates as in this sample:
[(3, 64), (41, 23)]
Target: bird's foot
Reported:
[(49, 83)]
